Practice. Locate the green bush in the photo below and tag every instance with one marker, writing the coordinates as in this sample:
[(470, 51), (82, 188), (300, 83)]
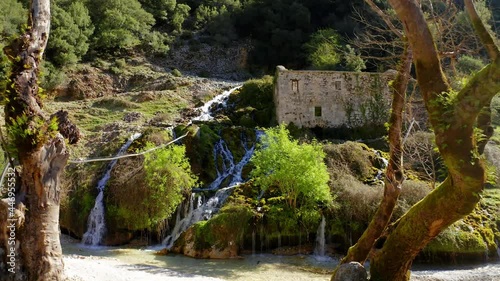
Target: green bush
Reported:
[(142, 198), (168, 177), (51, 76), (253, 104), (71, 28), (12, 16), (467, 64), (297, 170), (323, 49), (120, 25), (355, 157)]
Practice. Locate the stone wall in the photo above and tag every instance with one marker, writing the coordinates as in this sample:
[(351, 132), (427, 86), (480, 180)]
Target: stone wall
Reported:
[(330, 99)]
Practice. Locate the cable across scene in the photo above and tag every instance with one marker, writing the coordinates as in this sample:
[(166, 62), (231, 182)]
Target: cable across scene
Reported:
[(79, 161)]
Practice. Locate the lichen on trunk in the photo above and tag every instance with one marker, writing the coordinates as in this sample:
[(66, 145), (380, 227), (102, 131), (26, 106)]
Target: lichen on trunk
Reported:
[(37, 143), (454, 117)]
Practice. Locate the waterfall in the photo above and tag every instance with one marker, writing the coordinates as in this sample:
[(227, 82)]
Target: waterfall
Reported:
[(319, 250), (206, 114), (204, 212), (96, 224), (228, 170)]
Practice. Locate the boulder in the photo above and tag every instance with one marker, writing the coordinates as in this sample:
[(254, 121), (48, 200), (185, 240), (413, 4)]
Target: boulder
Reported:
[(352, 271)]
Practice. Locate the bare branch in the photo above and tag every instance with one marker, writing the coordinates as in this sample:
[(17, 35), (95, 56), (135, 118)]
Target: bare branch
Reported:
[(384, 17), (481, 30)]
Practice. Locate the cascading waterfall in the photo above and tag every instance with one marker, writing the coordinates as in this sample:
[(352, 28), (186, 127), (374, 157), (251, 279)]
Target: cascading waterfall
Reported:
[(228, 170), (206, 114), (204, 212), (96, 224), (319, 250)]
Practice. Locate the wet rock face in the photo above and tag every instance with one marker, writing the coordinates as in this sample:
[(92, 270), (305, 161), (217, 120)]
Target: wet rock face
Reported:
[(352, 271), (188, 246)]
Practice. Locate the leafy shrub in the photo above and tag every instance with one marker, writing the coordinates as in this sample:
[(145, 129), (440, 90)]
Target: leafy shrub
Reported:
[(12, 16), (253, 104), (168, 177), (51, 76), (467, 64), (355, 157), (120, 24), (323, 49), (298, 171), (142, 197), (71, 28), (326, 52), (358, 202)]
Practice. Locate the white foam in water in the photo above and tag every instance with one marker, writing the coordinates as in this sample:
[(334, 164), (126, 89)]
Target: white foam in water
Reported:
[(205, 114)]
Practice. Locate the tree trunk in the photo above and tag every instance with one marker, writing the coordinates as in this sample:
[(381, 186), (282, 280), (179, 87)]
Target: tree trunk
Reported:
[(453, 118), (40, 246), (394, 172), (39, 145)]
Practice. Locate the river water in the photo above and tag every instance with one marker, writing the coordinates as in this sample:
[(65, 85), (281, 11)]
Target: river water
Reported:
[(266, 267)]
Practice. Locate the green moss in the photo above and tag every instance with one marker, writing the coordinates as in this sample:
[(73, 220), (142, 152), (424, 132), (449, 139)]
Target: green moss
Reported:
[(457, 241), (255, 102), (228, 226), (358, 157)]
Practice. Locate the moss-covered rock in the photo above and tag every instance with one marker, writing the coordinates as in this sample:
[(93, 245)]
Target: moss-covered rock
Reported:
[(474, 238), (217, 238), (360, 160), (253, 104)]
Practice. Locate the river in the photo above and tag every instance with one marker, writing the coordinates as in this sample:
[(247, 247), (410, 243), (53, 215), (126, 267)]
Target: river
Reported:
[(258, 267)]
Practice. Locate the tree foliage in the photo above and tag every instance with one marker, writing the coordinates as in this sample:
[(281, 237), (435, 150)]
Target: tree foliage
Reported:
[(120, 24), (327, 52), (297, 170), (168, 178), (70, 32)]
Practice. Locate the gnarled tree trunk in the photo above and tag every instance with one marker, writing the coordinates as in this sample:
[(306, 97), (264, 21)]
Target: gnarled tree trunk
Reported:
[(394, 172), (453, 116), (38, 144)]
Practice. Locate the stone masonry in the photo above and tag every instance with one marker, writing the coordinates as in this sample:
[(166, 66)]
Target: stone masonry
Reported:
[(330, 99)]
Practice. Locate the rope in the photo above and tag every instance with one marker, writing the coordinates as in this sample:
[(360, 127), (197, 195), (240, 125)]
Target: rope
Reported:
[(79, 161)]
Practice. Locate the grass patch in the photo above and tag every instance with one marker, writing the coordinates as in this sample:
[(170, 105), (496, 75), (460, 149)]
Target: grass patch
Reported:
[(115, 103)]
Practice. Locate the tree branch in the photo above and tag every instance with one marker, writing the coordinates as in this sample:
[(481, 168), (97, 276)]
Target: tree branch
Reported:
[(383, 16), (429, 74), (481, 31)]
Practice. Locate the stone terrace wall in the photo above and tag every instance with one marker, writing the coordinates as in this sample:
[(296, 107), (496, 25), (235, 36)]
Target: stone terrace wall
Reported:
[(331, 99)]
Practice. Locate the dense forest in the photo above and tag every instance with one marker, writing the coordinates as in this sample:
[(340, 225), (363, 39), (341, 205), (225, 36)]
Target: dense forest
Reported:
[(297, 34)]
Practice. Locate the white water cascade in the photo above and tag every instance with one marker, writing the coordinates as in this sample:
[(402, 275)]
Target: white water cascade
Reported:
[(206, 114), (204, 212), (319, 250), (96, 224), (228, 170)]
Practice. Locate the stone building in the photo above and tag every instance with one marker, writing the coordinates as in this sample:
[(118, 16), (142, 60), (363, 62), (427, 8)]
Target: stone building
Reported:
[(330, 99)]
